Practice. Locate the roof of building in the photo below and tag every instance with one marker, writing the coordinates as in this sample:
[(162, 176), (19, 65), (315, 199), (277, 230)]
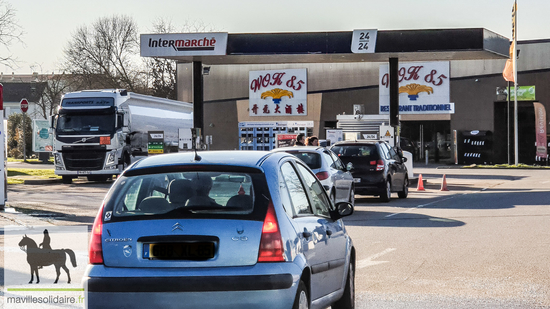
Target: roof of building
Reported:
[(14, 92), (330, 47)]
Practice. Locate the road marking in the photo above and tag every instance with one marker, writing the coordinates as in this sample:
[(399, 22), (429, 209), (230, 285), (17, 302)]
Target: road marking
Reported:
[(419, 206), (369, 261)]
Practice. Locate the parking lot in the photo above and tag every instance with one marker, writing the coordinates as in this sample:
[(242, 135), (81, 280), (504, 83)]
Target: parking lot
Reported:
[(483, 243)]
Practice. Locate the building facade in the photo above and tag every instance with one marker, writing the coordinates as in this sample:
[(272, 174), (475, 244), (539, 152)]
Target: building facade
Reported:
[(476, 89)]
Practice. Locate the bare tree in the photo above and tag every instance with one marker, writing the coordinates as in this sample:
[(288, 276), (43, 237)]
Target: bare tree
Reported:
[(10, 31), (55, 86), (105, 55), (162, 72)]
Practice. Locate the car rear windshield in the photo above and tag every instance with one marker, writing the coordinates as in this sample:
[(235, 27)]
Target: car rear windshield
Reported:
[(367, 151), (187, 194), (312, 159)]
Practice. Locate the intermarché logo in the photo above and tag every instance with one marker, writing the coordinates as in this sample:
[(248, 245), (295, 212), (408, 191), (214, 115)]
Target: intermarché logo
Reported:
[(185, 44)]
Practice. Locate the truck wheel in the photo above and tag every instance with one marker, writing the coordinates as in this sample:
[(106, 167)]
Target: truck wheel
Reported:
[(67, 179), (101, 178), (126, 161)]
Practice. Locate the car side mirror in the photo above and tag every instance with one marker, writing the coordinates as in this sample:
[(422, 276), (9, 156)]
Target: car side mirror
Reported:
[(343, 209), (404, 159), (349, 166)]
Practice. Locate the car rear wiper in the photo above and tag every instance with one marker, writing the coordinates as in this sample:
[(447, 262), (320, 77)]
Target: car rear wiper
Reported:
[(207, 208), (191, 209)]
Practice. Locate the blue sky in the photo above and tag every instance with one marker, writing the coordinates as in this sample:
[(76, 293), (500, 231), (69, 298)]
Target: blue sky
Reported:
[(49, 24)]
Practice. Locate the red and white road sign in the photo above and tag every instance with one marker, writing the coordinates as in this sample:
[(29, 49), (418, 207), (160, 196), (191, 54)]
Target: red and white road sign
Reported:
[(24, 105)]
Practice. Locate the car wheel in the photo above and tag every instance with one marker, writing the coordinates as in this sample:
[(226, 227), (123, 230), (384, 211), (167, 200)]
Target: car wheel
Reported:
[(352, 196), (302, 299), (405, 192), (386, 195), (348, 299)]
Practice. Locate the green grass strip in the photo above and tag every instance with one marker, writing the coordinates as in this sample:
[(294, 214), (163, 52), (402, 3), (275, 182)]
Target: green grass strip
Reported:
[(45, 289)]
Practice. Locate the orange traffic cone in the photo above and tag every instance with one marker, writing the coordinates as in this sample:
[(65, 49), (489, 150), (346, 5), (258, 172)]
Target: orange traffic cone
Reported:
[(444, 184), (420, 184)]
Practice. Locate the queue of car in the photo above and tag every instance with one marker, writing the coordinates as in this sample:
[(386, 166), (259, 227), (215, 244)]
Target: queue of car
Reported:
[(335, 177), (237, 229)]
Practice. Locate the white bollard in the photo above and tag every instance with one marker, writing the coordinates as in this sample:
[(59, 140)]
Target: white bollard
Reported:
[(409, 163)]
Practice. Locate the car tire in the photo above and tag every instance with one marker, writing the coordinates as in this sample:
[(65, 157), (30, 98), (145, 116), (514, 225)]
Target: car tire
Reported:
[(352, 196), (302, 299), (67, 179), (405, 192), (348, 299), (385, 196)]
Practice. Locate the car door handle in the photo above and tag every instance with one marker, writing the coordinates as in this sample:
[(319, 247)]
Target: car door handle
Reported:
[(306, 234), (329, 232)]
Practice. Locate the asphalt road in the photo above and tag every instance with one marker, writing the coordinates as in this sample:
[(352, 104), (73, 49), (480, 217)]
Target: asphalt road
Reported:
[(485, 243)]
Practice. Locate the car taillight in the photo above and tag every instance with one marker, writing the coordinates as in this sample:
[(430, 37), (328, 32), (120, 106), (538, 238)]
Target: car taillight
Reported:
[(322, 175), (96, 249), (271, 243), (380, 165)]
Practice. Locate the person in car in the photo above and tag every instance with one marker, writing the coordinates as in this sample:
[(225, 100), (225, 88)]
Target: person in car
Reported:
[(203, 185)]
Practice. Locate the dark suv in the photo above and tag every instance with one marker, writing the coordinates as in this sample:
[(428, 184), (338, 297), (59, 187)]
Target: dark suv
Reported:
[(378, 168)]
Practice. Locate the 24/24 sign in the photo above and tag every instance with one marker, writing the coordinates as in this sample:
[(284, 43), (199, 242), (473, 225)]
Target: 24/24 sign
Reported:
[(364, 41)]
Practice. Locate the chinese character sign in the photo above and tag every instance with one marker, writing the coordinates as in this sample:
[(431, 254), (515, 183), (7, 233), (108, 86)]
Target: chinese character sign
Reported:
[(424, 87), (278, 93)]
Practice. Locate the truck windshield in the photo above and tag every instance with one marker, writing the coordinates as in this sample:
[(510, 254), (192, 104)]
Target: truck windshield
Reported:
[(76, 124)]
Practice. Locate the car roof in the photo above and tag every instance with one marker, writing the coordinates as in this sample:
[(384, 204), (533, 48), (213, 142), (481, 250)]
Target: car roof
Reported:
[(245, 158), (359, 141), (300, 148)]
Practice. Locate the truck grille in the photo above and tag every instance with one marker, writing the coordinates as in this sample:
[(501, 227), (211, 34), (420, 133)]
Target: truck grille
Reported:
[(84, 158)]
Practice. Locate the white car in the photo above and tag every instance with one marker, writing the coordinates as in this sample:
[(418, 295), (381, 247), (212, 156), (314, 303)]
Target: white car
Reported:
[(335, 177)]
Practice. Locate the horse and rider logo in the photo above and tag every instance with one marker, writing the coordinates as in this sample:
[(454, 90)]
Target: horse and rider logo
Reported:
[(39, 256)]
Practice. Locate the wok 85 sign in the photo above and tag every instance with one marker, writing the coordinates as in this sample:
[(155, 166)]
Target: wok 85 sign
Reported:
[(278, 92), (424, 88)]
